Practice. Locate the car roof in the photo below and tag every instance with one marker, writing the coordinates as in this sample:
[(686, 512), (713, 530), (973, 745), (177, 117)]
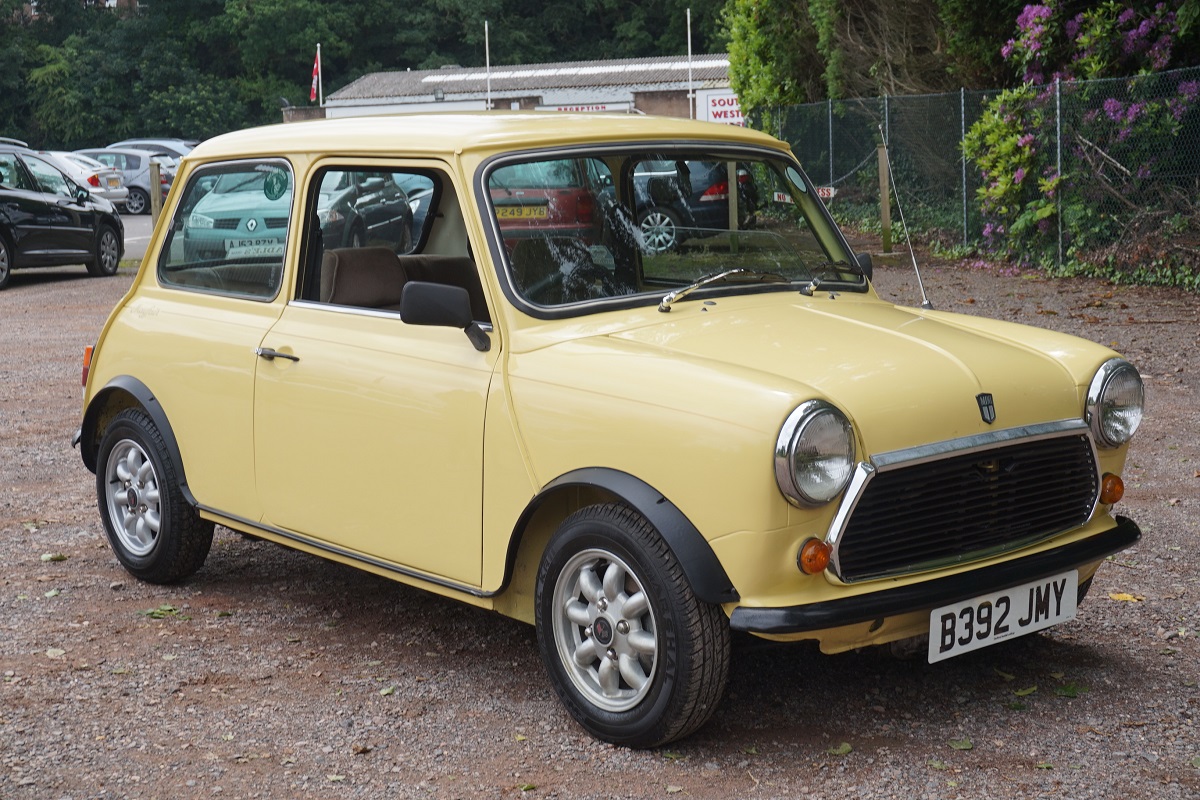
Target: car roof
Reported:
[(137, 151), (480, 132), (156, 140)]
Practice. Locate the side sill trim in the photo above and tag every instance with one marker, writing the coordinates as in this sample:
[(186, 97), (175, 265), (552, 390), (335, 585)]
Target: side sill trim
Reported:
[(938, 592), (248, 526)]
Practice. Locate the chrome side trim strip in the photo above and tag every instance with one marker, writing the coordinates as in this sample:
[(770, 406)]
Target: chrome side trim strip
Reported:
[(342, 552)]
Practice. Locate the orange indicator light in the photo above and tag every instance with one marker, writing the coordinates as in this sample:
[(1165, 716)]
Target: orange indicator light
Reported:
[(813, 556), (1112, 489)]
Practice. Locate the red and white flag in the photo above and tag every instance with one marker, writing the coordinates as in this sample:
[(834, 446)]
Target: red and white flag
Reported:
[(316, 76)]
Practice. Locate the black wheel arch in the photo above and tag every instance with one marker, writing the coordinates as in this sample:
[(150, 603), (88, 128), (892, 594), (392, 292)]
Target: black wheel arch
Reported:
[(700, 564), (122, 392)]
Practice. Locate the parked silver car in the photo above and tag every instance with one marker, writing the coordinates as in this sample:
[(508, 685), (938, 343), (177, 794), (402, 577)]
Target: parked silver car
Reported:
[(175, 148), (99, 179), (135, 166)]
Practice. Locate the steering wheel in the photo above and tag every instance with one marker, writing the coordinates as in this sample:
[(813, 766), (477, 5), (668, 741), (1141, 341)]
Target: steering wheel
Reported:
[(588, 281)]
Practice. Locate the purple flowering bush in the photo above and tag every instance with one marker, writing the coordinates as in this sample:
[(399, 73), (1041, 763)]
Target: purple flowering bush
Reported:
[(1121, 123)]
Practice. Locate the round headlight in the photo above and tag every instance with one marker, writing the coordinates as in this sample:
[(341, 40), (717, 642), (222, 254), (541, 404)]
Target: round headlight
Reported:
[(1114, 403), (814, 455)]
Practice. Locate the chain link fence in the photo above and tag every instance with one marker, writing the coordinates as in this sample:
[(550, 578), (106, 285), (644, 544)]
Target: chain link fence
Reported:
[(1127, 151)]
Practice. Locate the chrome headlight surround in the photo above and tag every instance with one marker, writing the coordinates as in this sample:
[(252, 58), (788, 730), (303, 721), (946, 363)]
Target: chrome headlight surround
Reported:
[(814, 454), (1115, 400)]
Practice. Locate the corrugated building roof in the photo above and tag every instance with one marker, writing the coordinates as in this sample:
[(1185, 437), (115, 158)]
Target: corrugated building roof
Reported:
[(632, 74)]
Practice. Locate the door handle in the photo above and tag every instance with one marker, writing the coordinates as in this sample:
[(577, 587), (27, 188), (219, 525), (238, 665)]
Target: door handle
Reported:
[(271, 355)]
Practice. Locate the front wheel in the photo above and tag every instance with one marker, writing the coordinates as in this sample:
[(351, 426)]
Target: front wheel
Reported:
[(154, 532), (634, 655), (5, 262)]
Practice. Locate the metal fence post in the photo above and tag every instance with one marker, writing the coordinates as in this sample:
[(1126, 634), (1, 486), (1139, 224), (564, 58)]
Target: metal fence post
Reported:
[(962, 154), (885, 199), (1058, 163), (830, 105)]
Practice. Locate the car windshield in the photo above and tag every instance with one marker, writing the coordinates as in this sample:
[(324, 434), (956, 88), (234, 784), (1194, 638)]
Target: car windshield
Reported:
[(627, 226)]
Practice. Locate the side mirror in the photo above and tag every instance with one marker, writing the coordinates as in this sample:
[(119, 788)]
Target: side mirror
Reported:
[(425, 303), (864, 263)]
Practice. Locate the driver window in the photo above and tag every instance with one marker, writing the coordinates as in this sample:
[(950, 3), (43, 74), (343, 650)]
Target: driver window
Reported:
[(49, 179), (371, 231)]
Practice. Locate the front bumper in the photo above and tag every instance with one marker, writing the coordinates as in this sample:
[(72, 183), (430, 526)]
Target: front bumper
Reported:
[(938, 592)]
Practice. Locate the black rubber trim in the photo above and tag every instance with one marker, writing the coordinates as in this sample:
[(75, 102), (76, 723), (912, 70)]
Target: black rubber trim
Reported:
[(149, 403), (939, 592), (703, 569)]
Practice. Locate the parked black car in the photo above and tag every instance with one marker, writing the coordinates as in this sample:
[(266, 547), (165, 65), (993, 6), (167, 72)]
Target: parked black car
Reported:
[(48, 220), (678, 200)]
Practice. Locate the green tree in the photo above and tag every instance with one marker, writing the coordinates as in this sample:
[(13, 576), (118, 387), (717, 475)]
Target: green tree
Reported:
[(772, 50)]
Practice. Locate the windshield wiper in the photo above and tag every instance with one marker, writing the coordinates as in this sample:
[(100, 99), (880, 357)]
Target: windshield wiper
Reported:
[(664, 305)]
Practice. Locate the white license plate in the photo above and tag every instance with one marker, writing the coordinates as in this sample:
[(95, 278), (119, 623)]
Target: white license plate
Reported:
[(252, 248), (981, 621)]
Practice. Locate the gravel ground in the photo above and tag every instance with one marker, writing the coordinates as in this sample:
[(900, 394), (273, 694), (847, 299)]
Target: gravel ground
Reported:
[(273, 674)]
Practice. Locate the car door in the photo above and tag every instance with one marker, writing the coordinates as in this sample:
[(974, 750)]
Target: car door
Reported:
[(72, 223), (368, 431), (24, 211)]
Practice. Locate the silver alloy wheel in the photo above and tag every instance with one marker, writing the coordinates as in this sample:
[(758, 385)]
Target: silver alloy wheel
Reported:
[(134, 504), (604, 630), (107, 254), (658, 231), (137, 202)]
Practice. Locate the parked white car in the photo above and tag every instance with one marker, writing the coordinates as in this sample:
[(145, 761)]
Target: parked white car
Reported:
[(99, 179)]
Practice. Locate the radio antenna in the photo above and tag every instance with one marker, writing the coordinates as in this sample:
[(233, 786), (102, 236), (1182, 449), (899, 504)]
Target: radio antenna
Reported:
[(907, 239)]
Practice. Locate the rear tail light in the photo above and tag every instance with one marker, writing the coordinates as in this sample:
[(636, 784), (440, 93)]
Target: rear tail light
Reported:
[(716, 193), (87, 365), (94, 180), (585, 206)]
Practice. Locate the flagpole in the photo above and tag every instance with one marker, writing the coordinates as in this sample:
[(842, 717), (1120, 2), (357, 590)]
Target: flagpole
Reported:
[(691, 89), (320, 79), (487, 57)]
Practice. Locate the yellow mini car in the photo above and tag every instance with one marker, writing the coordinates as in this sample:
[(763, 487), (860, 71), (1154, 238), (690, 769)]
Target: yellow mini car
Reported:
[(512, 398)]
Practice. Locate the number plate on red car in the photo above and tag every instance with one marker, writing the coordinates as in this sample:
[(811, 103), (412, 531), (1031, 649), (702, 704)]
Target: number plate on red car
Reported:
[(981, 621)]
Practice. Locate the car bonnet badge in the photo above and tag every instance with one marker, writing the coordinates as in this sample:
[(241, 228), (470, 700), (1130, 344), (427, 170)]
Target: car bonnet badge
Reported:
[(251, 225), (987, 408)]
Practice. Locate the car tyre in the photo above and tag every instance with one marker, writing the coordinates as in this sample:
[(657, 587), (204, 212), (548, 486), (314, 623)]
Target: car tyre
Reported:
[(154, 532), (108, 253), (6, 260), (660, 230), (636, 658), (138, 202)]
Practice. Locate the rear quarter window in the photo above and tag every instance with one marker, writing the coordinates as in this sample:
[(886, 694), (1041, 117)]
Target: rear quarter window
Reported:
[(230, 229)]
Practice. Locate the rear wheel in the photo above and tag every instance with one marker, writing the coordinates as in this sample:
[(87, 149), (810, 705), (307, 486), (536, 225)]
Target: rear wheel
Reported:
[(108, 250), (660, 230), (634, 655), (138, 202), (154, 532)]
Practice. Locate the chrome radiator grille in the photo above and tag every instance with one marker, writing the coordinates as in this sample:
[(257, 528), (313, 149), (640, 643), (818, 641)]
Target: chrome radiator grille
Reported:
[(935, 512)]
